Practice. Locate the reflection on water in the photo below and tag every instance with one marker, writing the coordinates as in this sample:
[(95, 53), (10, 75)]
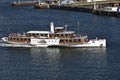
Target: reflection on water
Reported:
[(49, 52), (61, 63), (85, 63), (46, 60)]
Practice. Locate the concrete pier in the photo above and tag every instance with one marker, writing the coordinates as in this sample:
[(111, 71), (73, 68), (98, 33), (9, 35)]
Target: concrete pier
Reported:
[(87, 7), (72, 8), (26, 3), (41, 6), (106, 13)]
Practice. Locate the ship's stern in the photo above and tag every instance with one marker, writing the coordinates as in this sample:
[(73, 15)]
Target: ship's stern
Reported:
[(5, 39)]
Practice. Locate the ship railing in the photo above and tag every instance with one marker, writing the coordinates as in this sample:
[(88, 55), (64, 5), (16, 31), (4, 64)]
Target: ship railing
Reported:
[(82, 37), (75, 43), (17, 35)]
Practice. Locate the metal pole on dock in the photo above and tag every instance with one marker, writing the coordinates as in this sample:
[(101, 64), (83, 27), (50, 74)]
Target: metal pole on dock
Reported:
[(94, 4)]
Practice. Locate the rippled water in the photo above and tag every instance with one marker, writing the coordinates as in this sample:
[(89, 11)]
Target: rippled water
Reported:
[(59, 63)]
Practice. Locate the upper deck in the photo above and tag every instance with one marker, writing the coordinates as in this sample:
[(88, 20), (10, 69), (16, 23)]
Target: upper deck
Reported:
[(55, 32)]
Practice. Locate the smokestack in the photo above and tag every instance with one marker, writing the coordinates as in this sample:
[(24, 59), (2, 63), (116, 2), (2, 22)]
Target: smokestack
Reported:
[(52, 27)]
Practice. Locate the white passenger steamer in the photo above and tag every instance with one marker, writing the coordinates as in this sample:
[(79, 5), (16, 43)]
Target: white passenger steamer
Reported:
[(56, 37)]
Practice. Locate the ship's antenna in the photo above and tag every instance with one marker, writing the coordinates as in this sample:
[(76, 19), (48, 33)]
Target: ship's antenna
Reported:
[(8, 30), (78, 23)]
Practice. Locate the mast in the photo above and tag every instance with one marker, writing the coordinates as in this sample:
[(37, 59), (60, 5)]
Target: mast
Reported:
[(78, 27), (52, 27)]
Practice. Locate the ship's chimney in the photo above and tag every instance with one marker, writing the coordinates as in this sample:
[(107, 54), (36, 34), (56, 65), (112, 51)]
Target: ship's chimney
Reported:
[(52, 27)]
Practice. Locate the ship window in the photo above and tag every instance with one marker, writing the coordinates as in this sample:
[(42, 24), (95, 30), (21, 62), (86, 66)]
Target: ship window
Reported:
[(61, 34), (29, 40), (56, 35), (25, 39), (21, 39), (79, 39), (70, 40), (45, 34), (29, 34), (61, 40), (33, 34), (10, 38)]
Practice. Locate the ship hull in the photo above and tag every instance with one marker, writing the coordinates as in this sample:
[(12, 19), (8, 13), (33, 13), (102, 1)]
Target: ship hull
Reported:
[(99, 44), (78, 46), (91, 44), (69, 46)]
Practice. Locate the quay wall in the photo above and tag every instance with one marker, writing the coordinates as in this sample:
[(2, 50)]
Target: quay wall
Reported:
[(27, 3), (72, 8), (106, 13), (81, 8), (41, 6)]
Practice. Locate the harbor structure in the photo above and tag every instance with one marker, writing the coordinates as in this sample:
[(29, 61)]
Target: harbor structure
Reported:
[(112, 9), (96, 7), (41, 5), (23, 3)]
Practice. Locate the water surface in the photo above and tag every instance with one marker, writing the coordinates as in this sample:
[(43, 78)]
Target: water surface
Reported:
[(59, 63)]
